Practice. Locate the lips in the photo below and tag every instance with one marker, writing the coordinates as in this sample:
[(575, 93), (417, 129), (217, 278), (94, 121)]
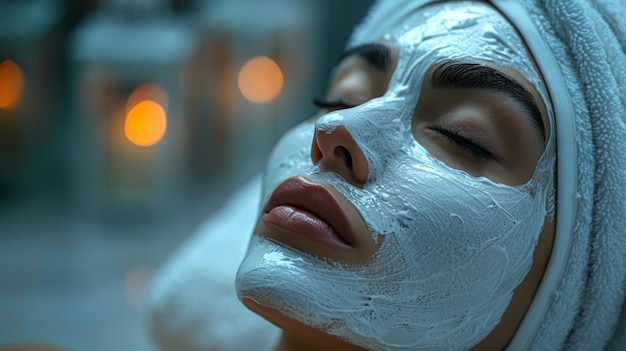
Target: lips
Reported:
[(311, 211)]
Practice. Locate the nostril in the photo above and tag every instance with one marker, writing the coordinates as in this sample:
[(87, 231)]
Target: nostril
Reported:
[(344, 154), (337, 152)]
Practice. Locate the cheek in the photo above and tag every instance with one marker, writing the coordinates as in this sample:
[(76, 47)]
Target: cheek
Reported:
[(437, 219), (290, 157)]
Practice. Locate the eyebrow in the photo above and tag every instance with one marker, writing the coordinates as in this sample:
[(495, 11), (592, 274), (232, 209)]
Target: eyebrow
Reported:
[(378, 55), (466, 76)]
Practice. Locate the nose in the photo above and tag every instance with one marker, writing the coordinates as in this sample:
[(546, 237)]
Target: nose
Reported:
[(336, 151)]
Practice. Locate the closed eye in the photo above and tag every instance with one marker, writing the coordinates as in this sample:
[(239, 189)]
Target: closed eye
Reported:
[(465, 143), (331, 105)]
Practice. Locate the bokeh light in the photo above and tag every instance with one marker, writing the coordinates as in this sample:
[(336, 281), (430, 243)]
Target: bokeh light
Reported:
[(260, 80), (11, 84), (145, 123)]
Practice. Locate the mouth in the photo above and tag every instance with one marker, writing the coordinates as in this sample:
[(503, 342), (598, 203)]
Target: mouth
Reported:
[(300, 210)]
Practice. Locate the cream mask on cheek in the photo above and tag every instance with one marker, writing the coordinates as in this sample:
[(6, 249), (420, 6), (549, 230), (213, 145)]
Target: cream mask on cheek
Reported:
[(455, 246)]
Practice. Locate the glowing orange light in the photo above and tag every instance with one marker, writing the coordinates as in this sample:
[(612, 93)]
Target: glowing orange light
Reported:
[(147, 92), (11, 84), (260, 80), (145, 123)]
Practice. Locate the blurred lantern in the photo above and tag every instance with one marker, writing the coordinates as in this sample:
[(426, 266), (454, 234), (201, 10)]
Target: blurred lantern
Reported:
[(129, 137), (250, 80), (28, 102)]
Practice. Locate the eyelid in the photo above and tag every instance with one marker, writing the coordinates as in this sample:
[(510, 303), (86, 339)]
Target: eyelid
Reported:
[(468, 144), (332, 104)]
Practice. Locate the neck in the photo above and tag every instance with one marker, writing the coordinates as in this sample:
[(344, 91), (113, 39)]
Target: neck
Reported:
[(289, 343), (297, 336)]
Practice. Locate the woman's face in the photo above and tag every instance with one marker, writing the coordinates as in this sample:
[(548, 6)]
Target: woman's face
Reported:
[(407, 213)]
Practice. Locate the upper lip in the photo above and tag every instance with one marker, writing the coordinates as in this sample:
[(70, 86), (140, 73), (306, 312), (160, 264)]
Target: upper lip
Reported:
[(316, 199)]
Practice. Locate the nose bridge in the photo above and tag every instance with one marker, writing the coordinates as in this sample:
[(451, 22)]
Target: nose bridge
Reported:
[(361, 122)]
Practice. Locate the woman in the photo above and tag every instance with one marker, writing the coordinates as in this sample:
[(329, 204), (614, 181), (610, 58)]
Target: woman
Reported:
[(423, 210)]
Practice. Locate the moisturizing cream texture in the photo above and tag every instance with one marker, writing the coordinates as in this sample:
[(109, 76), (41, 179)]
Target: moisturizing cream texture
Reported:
[(455, 246)]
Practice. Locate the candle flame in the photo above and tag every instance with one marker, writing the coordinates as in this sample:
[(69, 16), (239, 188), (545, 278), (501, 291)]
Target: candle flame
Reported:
[(146, 120), (145, 123)]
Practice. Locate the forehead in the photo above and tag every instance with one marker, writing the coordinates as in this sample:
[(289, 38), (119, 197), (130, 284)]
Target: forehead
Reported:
[(462, 30)]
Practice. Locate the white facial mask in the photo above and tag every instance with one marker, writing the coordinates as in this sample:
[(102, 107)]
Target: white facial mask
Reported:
[(455, 246)]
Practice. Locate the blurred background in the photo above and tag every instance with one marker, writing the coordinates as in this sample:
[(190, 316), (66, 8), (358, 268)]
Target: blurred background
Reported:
[(123, 125)]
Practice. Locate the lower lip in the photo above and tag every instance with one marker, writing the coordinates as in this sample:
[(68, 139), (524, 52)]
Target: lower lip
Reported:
[(303, 223)]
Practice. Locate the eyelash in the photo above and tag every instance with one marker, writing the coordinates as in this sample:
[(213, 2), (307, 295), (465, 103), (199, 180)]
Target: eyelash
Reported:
[(455, 136), (331, 105)]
